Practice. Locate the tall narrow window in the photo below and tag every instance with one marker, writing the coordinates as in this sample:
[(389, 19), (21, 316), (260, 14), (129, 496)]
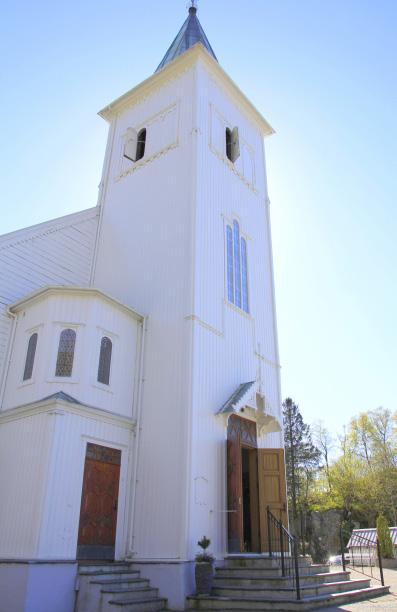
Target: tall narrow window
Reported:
[(140, 147), (30, 354), (237, 264), (236, 267), (105, 357), (229, 261), (244, 275), (67, 341)]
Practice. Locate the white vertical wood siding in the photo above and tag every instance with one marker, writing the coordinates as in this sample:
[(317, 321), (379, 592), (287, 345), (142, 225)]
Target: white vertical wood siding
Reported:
[(169, 210), (146, 232), (92, 317), (58, 252), (227, 342), (25, 448)]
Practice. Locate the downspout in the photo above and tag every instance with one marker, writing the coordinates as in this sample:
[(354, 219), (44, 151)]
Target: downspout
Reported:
[(8, 354), (141, 380)]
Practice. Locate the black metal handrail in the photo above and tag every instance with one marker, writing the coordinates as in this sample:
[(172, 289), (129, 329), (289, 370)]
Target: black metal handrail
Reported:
[(283, 548), (368, 556)]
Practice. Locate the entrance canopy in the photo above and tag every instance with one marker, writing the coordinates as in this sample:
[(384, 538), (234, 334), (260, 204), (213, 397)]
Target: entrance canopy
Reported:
[(248, 401)]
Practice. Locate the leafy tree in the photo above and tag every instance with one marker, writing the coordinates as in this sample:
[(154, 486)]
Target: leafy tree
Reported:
[(383, 533)]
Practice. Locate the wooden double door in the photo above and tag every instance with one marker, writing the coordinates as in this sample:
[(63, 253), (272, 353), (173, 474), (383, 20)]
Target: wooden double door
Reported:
[(255, 481), (99, 502)]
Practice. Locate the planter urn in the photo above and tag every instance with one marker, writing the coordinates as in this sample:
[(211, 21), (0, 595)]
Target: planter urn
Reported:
[(204, 577)]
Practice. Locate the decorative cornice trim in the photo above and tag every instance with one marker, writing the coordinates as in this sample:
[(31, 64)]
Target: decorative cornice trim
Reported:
[(171, 71), (58, 407), (50, 290)]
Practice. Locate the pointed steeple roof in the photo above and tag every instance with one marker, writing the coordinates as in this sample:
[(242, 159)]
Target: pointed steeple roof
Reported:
[(190, 33)]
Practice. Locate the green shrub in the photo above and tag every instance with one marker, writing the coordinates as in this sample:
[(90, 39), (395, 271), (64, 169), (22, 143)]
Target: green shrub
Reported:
[(383, 533)]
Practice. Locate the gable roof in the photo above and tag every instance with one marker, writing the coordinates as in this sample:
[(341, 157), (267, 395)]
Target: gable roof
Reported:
[(190, 33)]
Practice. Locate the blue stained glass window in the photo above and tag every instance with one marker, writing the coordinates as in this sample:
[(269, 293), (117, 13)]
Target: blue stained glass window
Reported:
[(244, 274), (237, 264), (236, 267), (229, 264)]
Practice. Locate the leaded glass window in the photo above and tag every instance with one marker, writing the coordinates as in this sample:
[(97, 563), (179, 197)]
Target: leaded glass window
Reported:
[(105, 357), (236, 267), (67, 341), (30, 354), (244, 275)]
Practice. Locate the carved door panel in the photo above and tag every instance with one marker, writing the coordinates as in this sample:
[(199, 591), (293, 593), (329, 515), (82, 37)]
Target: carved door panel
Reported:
[(99, 500), (234, 495), (272, 490)]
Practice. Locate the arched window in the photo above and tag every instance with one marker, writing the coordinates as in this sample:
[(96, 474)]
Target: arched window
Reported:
[(105, 357), (236, 267), (232, 144), (67, 341), (30, 354), (140, 147)]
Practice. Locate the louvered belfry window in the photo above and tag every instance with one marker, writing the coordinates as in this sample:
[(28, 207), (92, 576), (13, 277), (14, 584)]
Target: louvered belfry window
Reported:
[(105, 358), (67, 341), (30, 355)]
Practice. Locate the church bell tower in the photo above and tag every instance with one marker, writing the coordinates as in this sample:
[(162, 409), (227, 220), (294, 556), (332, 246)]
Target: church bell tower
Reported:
[(184, 239)]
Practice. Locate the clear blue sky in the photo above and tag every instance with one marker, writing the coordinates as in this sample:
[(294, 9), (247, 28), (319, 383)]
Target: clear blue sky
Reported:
[(323, 73)]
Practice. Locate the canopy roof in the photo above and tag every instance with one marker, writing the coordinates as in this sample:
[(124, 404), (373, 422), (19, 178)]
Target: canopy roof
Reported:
[(190, 33)]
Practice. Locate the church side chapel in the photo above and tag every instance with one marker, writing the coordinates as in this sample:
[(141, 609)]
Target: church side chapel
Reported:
[(139, 368)]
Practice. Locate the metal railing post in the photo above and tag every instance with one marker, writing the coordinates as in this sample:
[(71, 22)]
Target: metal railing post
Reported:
[(297, 583), (282, 548), (380, 562), (269, 531)]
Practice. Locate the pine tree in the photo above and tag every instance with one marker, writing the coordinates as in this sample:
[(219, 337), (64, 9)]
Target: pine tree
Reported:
[(301, 456)]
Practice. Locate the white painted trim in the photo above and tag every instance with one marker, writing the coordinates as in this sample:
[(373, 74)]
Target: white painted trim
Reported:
[(185, 62), (59, 406), (50, 290)]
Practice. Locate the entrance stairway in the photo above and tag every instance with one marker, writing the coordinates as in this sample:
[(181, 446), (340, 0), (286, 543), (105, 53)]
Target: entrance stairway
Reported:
[(254, 582), (115, 587)]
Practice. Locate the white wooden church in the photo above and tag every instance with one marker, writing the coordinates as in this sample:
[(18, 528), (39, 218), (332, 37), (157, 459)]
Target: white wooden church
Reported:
[(139, 368)]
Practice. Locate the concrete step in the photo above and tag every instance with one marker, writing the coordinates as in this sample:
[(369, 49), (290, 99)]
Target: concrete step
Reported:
[(125, 574), (259, 572), (276, 581), (263, 561), (137, 605), (92, 568), (130, 594), (288, 592), (244, 604), (121, 583)]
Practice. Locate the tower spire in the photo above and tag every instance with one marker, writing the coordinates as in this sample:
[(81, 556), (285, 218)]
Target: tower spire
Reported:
[(190, 33)]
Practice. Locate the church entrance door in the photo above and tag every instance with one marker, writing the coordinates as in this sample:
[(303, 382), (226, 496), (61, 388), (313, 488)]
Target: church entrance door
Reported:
[(255, 481), (272, 490), (99, 499), (242, 486)]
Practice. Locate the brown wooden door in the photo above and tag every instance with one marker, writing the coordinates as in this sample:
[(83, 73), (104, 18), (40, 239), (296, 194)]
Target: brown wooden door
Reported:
[(239, 432), (272, 490), (99, 500), (234, 495)]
